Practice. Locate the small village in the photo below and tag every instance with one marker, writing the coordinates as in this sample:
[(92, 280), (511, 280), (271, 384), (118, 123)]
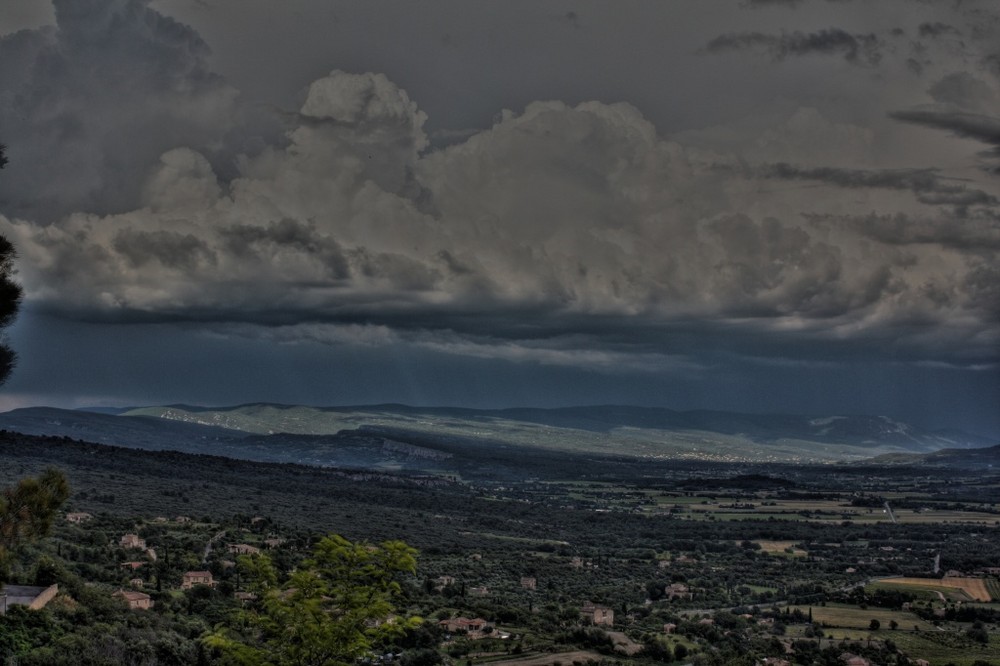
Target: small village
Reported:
[(532, 601)]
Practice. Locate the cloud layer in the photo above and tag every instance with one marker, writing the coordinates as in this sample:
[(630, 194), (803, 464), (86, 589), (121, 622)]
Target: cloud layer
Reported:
[(563, 234)]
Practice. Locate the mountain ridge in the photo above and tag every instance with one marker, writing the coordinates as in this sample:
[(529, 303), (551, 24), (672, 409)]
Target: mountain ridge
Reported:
[(449, 440)]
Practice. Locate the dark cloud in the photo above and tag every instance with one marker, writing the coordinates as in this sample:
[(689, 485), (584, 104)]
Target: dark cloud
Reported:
[(172, 250), (855, 48), (594, 241), (965, 91), (928, 184), (771, 3), (283, 241), (756, 4), (966, 125), (936, 29), (991, 63), (982, 283)]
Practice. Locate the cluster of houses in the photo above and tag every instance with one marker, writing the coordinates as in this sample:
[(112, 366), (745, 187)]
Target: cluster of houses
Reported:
[(138, 600), (590, 613), (441, 582)]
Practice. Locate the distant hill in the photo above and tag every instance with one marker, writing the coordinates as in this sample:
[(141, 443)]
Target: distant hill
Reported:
[(504, 443), (851, 430), (144, 432), (982, 458)]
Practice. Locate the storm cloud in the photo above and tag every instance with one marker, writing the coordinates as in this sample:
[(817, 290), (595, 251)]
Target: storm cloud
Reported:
[(552, 215), (662, 220)]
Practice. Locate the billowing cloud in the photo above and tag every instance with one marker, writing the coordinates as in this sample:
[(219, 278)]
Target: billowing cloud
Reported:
[(79, 103), (927, 184), (553, 223)]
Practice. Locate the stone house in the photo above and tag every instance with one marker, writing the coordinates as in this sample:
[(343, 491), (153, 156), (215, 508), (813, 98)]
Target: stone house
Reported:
[(132, 541), (243, 549), (598, 615), (135, 600), (677, 590), (442, 582), (475, 628), (192, 578), (529, 583), (79, 517)]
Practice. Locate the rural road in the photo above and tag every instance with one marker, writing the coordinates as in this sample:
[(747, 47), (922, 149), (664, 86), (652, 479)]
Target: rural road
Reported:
[(208, 546)]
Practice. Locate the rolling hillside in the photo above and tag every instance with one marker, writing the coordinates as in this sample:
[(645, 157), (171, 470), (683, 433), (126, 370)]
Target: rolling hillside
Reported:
[(497, 443)]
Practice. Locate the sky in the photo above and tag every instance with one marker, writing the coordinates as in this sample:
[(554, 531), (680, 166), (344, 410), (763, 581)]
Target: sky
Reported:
[(787, 206)]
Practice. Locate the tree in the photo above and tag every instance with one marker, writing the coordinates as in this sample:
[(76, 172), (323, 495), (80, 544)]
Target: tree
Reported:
[(10, 294), (334, 608), (874, 625), (27, 511), (977, 632)]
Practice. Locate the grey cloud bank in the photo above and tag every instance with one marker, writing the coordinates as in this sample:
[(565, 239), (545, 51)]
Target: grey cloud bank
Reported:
[(596, 248)]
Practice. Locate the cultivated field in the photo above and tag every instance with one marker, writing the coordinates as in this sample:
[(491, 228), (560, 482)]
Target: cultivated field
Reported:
[(852, 617), (974, 589), (781, 548), (938, 647), (701, 508)]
